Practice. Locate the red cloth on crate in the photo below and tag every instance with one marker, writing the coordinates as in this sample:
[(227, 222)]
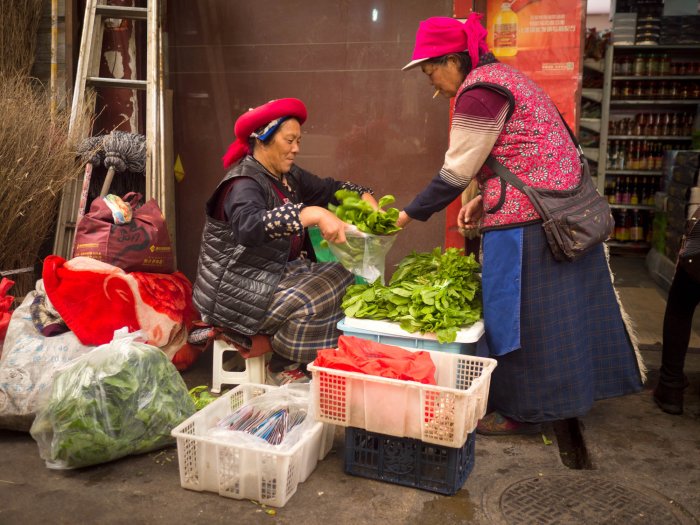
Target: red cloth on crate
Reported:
[(369, 357), (5, 305), (95, 299)]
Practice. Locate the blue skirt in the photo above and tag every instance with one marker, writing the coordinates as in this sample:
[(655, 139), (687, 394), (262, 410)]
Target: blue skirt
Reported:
[(574, 345)]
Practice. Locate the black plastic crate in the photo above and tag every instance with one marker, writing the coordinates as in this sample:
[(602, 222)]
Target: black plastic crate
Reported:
[(407, 461)]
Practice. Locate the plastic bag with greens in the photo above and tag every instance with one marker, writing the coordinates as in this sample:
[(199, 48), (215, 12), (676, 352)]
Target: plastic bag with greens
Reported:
[(363, 253), (121, 398)]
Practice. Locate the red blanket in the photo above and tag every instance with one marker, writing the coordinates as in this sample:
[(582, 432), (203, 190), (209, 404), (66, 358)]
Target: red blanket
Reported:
[(5, 307), (95, 299)]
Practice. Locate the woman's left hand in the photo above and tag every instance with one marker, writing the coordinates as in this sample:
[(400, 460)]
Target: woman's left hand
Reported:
[(470, 214)]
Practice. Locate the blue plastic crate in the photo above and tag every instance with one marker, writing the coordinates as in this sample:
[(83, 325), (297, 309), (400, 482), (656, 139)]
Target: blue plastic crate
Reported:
[(408, 341), (409, 462)]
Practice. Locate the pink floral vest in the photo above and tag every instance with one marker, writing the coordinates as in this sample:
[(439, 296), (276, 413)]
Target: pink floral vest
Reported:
[(534, 145)]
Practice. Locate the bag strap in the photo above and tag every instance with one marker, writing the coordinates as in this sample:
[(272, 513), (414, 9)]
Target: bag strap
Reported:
[(504, 173), (133, 198)]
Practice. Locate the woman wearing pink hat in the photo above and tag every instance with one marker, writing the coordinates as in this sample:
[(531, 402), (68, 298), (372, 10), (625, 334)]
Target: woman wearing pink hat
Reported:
[(555, 328), (256, 275)]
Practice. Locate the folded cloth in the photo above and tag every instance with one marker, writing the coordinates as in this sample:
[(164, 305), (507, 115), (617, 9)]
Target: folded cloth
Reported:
[(45, 318), (95, 299)]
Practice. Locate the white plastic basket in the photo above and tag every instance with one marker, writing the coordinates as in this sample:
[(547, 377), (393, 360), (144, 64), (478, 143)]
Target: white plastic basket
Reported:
[(444, 414), (235, 471)]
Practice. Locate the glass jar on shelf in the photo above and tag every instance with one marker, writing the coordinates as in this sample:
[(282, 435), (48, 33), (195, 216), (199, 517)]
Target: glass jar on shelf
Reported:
[(640, 66), (664, 64), (626, 66), (615, 90), (638, 90)]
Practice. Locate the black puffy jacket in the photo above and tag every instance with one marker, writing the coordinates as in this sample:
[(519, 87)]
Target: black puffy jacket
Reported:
[(235, 284)]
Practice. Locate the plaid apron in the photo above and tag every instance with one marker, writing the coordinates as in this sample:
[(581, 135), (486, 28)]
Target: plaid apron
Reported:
[(305, 309), (574, 344)]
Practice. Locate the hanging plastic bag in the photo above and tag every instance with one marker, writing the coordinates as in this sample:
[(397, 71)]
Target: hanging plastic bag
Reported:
[(121, 398), (369, 357), (363, 253)]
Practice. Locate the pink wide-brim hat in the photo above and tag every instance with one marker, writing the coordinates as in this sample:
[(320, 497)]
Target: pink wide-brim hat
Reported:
[(441, 35), (256, 118)]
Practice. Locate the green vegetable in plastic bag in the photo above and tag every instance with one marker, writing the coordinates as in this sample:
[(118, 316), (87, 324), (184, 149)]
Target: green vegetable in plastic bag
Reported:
[(368, 234), (121, 398)]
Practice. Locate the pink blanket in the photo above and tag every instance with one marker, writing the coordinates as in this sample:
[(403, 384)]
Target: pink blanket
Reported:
[(96, 298)]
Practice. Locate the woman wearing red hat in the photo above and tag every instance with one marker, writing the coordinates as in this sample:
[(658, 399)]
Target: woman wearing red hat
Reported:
[(256, 276), (555, 328)]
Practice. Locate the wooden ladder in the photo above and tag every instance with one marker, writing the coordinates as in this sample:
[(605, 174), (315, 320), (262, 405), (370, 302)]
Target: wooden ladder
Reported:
[(159, 171)]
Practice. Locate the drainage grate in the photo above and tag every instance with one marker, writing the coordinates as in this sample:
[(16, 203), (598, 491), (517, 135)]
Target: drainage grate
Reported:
[(563, 499)]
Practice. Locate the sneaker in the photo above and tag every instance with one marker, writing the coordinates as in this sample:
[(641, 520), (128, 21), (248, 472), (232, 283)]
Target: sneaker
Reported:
[(290, 374), (494, 424)]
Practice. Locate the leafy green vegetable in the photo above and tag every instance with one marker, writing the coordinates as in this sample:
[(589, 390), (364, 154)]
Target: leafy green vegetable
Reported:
[(353, 210), (428, 292), (201, 396), (116, 400)]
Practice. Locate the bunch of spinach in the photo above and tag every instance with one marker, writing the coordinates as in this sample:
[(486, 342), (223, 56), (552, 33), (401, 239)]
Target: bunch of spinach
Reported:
[(116, 400), (429, 292), (360, 213)]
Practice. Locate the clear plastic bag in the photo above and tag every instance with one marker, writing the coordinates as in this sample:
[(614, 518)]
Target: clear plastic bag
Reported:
[(363, 253), (274, 421), (121, 398)]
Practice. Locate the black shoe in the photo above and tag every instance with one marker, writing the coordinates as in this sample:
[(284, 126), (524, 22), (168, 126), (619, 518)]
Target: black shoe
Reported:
[(669, 399)]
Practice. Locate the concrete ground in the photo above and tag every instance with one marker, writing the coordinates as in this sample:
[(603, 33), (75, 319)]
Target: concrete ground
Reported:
[(625, 462)]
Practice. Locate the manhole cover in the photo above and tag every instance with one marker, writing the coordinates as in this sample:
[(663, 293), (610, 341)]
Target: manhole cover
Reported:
[(566, 499)]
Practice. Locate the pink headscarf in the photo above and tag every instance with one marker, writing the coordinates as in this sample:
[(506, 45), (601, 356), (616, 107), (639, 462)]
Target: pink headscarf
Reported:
[(439, 36)]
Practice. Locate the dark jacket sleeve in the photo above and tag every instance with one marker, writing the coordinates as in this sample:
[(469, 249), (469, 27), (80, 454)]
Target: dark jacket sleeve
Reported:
[(436, 196), (245, 206)]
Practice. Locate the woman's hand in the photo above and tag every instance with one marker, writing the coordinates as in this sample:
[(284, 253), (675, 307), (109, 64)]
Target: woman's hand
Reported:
[(370, 198), (403, 219), (470, 214), (332, 228)]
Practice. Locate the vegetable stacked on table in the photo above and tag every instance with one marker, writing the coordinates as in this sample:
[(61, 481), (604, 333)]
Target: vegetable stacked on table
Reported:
[(429, 292)]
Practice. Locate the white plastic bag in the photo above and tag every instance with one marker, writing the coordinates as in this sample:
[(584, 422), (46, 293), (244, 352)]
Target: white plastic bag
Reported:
[(28, 363), (363, 253)]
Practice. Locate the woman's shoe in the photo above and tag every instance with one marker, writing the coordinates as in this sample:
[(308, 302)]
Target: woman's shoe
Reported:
[(669, 399), (494, 424)]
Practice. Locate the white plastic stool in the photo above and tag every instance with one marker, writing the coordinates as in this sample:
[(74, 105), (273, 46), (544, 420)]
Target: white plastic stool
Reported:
[(254, 368)]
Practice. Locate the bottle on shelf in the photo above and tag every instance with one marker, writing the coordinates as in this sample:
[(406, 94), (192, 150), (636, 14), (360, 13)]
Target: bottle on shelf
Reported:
[(695, 131), (617, 196), (634, 192), (636, 231), (626, 191), (610, 190)]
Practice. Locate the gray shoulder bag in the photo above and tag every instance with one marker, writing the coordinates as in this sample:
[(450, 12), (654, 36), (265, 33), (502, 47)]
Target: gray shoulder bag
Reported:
[(573, 220)]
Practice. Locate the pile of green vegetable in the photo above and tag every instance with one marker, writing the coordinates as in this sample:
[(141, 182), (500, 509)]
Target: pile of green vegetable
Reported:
[(360, 213), (429, 292), (116, 400)]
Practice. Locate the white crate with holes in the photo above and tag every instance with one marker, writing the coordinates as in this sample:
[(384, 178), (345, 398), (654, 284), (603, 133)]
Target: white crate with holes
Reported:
[(235, 470), (444, 414)]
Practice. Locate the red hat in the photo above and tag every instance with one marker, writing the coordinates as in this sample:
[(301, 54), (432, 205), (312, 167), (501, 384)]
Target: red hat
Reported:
[(440, 35), (255, 118)]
